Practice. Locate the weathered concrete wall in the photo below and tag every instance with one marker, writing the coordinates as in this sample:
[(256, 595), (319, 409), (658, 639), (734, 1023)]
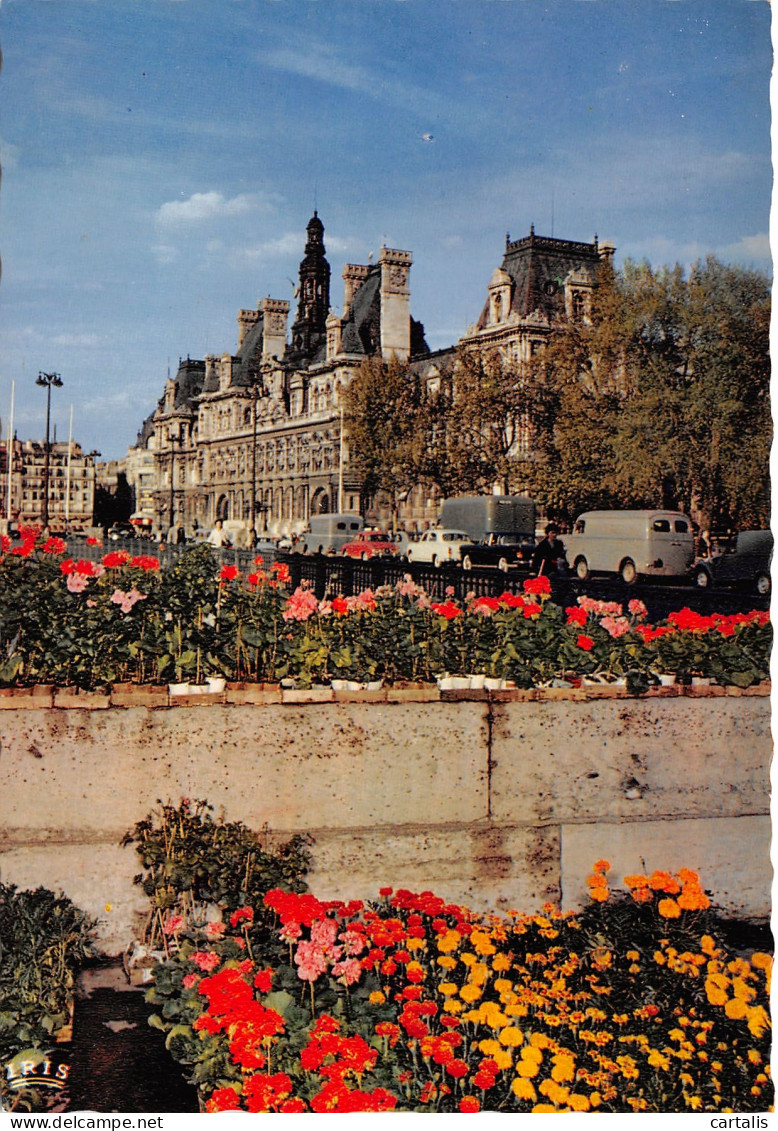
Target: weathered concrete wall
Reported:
[(500, 805)]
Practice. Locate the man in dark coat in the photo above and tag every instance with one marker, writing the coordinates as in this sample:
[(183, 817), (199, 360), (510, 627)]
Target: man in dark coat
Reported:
[(550, 556)]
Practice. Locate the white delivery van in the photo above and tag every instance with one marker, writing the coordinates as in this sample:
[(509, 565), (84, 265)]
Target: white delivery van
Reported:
[(327, 533), (653, 543)]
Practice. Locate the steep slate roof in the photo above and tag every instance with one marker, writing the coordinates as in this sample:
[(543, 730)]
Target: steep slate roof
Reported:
[(189, 382), (536, 264), (362, 329)]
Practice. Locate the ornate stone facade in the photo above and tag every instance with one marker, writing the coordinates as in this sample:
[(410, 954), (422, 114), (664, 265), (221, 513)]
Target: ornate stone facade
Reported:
[(255, 437)]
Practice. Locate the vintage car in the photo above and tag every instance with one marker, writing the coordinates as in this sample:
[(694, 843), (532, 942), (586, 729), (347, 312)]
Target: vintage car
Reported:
[(746, 565), (437, 546), (505, 551), (369, 544)]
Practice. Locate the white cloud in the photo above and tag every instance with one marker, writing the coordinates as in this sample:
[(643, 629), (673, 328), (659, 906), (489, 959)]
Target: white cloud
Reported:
[(748, 248), (202, 206), (76, 340)]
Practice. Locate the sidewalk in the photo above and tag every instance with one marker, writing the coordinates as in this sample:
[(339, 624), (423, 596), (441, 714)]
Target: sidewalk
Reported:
[(118, 1062)]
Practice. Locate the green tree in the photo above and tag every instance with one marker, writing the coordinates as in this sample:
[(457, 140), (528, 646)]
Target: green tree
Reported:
[(386, 417)]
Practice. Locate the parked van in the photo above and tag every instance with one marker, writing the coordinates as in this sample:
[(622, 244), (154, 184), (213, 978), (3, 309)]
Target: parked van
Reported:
[(484, 515), (654, 543), (328, 533)]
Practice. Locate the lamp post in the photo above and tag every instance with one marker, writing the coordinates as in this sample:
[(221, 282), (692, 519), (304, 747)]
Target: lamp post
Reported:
[(257, 386), (179, 439), (46, 380)]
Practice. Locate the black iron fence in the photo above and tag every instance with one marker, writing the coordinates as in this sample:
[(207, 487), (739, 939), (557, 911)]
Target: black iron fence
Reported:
[(332, 576)]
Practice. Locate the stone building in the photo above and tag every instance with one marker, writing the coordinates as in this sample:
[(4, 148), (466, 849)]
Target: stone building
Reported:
[(71, 484), (254, 436)]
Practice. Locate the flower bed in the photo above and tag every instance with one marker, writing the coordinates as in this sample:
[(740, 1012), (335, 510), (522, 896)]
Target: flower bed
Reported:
[(123, 620), (410, 1004)]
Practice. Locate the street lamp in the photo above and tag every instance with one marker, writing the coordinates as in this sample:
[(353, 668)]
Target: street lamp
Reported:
[(257, 386), (46, 380), (179, 439)]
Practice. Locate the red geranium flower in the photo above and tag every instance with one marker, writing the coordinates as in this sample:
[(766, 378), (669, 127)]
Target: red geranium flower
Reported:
[(228, 573), (585, 642)]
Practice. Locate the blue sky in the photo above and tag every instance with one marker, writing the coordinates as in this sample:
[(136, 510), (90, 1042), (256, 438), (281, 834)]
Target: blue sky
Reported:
[(161, 159)]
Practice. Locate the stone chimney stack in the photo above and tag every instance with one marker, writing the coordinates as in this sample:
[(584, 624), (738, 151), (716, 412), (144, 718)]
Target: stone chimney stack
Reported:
[(334, 335), (246, 319), (395, 303), (354, 275), (275, 312)]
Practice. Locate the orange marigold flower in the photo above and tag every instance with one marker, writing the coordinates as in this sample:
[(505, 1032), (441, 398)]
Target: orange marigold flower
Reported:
[(668, 909), (693, 899), (469, 1104), (663, 881), (642, 895), (636, 881), (602, 866), (599, 894)]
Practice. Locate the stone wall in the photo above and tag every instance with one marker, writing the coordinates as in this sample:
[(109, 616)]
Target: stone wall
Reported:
[(499, 804)]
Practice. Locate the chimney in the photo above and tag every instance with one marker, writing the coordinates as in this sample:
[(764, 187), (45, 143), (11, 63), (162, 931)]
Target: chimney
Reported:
[(275, 312), (354, 275), (395, 303)]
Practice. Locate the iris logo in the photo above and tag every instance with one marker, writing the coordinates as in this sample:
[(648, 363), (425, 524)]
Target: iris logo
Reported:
[(34, 1068)]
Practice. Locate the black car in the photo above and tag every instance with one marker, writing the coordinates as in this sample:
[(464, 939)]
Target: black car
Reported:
[(120, 530), (745, 565), (504, 551)]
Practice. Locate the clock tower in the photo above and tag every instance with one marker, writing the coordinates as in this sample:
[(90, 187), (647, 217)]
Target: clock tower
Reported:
[(309, 331)]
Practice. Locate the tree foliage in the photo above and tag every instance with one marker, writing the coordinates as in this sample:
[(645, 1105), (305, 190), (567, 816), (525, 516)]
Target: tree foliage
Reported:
[(659, 397)]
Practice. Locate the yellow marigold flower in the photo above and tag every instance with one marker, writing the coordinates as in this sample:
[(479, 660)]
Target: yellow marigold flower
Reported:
[(511, 1036), (377, 998), (634, 968), (702, 1055), (557, 1094), (658, 1059), (501, 962), (523, 1089), (686, 1079), (470, 992), (541, 1041), (694, 1102), (659, 958), (578, 1102), (488, 1046), (502, 1058), (564, 1068), (473, 1016), (451, 1005), (447, 962), (754, 1056), (482, 943), (527, 1068), (595, 1099), (517, 1009), (693, 899), (717, 1066), (449, 941), (668, 909), (448, 988), (415, 944), (707, 945), (491, 1015), (468, 958), (758, 1020), (415, 967), (761, 1078), (677, 1035), (742, 990), (663, 881), (543, 1108), (502, 985), (761, 961), (633, 955), (479, 972), (716, 996)]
